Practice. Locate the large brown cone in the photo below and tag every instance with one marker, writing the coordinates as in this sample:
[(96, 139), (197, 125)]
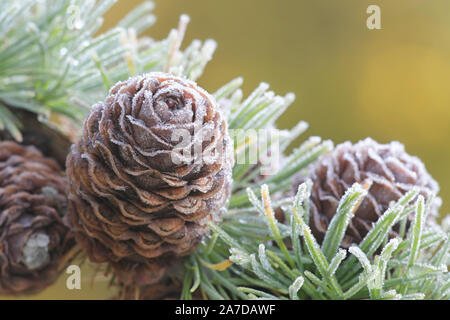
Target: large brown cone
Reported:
[(388, 167), (133, 203), (33, 238)]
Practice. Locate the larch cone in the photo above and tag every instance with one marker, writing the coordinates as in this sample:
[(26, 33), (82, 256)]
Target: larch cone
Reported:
[(387, 167), (137, 199), (33, 237)]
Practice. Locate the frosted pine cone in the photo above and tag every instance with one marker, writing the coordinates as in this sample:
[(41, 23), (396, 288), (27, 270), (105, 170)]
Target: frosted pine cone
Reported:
[(33, 238), (388, 167), (136, 199)]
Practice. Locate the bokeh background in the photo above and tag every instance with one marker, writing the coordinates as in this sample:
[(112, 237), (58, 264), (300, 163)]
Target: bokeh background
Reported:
[(350, 82)]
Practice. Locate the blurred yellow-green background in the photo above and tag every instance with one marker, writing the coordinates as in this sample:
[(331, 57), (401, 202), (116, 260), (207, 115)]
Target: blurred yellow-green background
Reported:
[(350, 82)]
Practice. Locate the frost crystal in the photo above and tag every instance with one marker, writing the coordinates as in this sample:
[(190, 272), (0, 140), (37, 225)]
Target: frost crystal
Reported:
[(35, 252)]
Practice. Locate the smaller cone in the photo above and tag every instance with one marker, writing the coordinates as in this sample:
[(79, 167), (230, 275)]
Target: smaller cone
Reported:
[(33, 238), (388, 167)]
